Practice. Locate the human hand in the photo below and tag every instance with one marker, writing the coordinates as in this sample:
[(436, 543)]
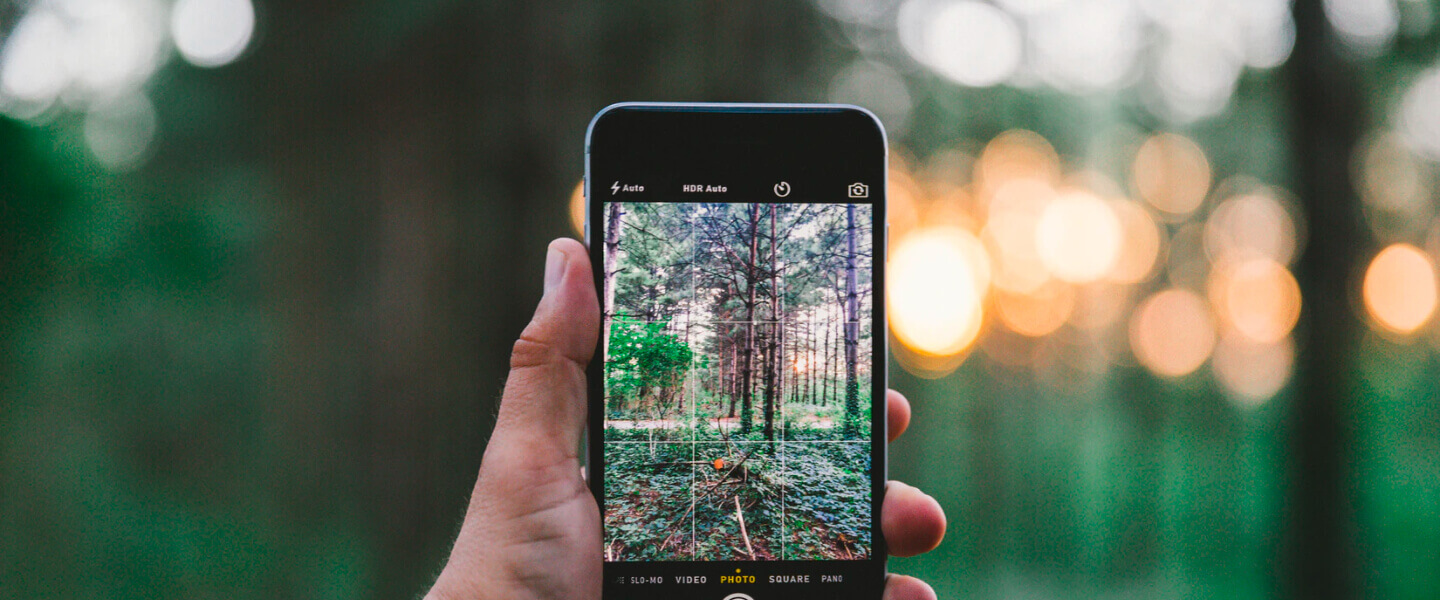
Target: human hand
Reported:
[(532, 530)]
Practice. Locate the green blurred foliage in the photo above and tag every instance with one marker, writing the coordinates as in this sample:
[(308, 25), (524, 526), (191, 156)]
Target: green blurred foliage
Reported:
[(265, 363)]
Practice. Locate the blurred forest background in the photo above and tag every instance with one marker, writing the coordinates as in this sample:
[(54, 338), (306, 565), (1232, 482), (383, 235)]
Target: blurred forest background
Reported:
[(261, 265)]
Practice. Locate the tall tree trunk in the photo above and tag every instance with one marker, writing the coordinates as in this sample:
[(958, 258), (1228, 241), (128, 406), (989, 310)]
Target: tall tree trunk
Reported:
[(852, 328), (611, 248), (793, 361), (748, 355), (768, 411), (717, 389), (806, 348), (685, 336), (810, 365), (829, 358), (772, 369), (734, 381)]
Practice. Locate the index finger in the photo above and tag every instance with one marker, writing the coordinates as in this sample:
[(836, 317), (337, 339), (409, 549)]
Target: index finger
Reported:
[(897, 413)]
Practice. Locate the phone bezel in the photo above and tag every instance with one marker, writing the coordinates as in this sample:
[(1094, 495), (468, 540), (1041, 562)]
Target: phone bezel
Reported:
[(764, 142)]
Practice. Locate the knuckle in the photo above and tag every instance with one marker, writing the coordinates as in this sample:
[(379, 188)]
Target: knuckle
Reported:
[(530, 351)]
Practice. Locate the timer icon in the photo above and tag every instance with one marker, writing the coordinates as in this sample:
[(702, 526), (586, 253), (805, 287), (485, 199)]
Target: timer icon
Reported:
[(782, 189)]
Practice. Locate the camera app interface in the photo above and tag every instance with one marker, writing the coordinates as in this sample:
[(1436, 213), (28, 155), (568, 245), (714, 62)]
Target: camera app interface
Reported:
[(737, 381)]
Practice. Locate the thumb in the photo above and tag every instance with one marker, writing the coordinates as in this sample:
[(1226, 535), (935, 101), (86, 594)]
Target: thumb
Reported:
[(542, 410), (523, 515)]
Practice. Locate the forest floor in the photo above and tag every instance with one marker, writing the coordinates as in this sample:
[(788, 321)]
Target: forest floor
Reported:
[(737, 501), (724, 423)]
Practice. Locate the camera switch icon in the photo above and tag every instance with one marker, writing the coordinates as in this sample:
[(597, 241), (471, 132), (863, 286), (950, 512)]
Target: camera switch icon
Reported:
[(859, 190)]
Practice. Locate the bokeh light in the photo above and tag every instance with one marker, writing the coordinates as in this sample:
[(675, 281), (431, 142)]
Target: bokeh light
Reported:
[(1419, 119), (119, 131), (1028, 8), (1085, 46), (1010, 234), (1252, 373), (212, 33), (1038, 313), (1249, 225), (1257, 298), (81, 50), (1141, 243), (1365, 26), (903, 197), (1195, 79), (1016, 154), (94, 58), (1172, 333), (113, 43), (32, 66), (1400, 288), (1078, 237), (969, 42), (577, 209), (1099, 305), (1172, 174), (1395, 185), (936, 289), (952, 209), (1266, 31)]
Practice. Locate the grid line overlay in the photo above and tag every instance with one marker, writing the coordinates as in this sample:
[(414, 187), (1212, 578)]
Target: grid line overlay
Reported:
[(692, 329)]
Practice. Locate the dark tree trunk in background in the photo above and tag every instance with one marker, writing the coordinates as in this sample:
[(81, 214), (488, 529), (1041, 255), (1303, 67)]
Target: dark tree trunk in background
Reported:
[(1328, 114)]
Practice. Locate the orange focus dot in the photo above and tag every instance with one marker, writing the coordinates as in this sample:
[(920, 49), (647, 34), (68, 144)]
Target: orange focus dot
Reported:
[(719, 464), (1400, 288)]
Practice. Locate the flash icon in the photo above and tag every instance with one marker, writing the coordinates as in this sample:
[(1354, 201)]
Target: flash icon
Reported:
[(614, 188)]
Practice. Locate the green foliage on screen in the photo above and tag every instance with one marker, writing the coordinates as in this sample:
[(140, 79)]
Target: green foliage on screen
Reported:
[(647, 364)]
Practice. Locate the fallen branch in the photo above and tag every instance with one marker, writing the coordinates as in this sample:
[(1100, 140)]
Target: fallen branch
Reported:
[(739, 516), (711, 489)]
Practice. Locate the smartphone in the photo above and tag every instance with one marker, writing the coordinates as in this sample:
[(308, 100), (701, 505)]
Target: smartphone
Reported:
[(736, 444)]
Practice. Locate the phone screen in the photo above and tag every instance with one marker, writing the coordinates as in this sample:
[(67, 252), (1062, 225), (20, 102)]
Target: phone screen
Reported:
[(734, 434)]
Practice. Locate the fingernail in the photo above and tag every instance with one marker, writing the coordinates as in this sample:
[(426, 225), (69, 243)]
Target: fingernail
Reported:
[(554, 268)]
